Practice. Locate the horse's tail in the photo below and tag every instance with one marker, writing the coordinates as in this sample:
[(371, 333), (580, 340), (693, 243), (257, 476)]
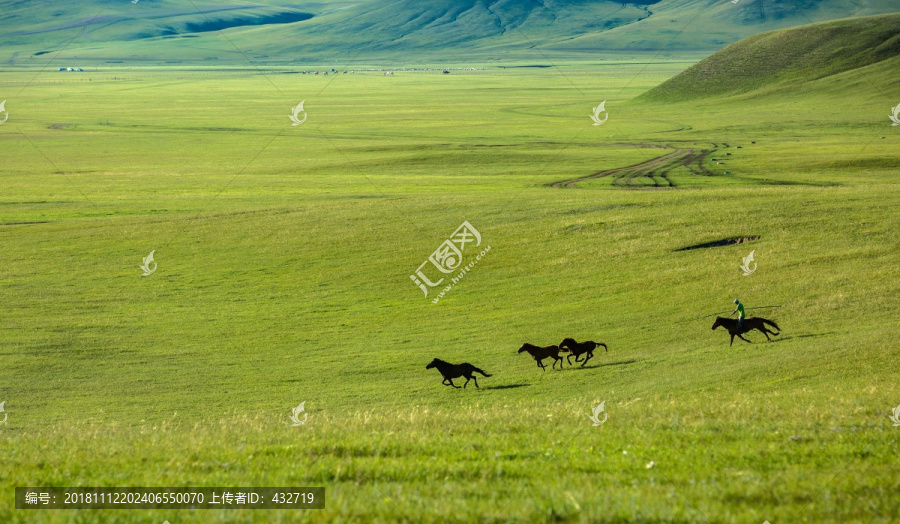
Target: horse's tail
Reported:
[(769, 322), (604, 346), (480, 371)]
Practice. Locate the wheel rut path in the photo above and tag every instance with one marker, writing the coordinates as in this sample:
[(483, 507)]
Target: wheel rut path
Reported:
[(656, 170)]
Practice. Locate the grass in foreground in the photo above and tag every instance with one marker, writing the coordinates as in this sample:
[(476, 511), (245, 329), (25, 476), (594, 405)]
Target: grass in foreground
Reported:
[(283, 277)]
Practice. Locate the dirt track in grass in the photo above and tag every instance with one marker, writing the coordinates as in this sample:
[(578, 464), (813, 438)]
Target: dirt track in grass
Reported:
[(655, 171)]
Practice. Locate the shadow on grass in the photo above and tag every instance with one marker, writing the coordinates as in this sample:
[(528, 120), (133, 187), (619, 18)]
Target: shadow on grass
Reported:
[(507, 386), (808, 335), (619, 363)]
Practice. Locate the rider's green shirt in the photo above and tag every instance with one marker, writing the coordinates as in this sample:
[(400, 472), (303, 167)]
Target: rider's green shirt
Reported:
[(740, 310)]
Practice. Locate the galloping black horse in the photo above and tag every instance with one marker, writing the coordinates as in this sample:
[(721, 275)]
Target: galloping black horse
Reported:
[(540, 353), (451, 371), (750, 323), (580, 348)]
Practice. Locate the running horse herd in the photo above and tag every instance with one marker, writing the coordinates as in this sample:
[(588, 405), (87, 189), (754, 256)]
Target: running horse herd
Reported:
[(569, 348)]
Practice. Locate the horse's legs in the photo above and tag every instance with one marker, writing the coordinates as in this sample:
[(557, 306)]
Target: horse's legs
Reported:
[(540, 365), (744, 339), (569, 358), (766, 333), (467, 382), (586, 358), (476, 381), (452, 384), (732, 341)]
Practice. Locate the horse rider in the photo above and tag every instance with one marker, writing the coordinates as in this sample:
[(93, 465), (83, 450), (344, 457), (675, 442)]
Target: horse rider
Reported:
[(739, 309)]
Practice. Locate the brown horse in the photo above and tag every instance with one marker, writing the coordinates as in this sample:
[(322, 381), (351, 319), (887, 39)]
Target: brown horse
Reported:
[(750, 323), (540, 353), (580, 348), (451, 371)]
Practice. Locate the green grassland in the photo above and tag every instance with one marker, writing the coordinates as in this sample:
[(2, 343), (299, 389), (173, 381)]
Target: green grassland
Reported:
[(284, 259)]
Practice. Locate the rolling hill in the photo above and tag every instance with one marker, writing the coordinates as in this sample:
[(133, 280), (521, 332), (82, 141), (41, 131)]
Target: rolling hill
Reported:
[(281, 31), (785, 59)]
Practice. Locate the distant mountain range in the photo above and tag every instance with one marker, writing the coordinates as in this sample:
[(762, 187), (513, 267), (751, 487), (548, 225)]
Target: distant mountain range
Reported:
[(416, 30)]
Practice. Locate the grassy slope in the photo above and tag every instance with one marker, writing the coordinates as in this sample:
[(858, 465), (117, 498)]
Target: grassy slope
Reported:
[(784, 59)]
